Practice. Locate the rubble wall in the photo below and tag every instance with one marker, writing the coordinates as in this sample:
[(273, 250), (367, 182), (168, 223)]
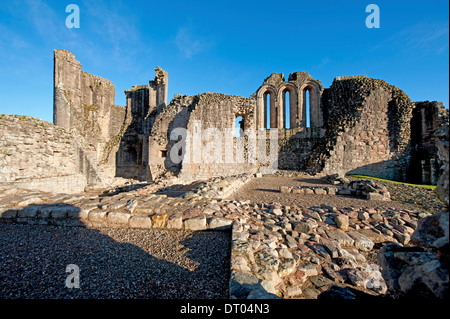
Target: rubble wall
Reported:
[(216, 112), (35, 154), (367, 130), (428, 117)]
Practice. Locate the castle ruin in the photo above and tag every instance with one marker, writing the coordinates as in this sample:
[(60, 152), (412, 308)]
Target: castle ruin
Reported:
[(358, 125)]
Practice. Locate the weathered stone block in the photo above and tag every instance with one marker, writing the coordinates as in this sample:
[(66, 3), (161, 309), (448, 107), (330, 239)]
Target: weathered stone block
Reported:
[(308, 269), (293, 291), (140, 221), (97, 217), (342, 238), (8, 213), (195, 223), (28, 212), (61, 212), (285, 189), (302, 227), (175, 222), (298, 191), (219, 223), (131, 205), (375, 196), (117, 219), (320, 191), (276, 211), (239, 264), (159, 221), (344, 192), (341, 221), (286, 267), (361, 242)]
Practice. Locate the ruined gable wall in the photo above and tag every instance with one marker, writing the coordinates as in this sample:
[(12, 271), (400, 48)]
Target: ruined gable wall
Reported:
[(85, 102), (218, 111), (175, 115), (35, 154), (367, 132)]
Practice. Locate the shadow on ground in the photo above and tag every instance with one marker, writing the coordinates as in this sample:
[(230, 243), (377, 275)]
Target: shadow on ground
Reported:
[(33, 262)]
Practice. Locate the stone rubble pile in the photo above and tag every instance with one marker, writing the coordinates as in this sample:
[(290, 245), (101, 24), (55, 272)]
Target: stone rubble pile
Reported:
[(335, 179), (419, 271), (422, 269), (367, 189)]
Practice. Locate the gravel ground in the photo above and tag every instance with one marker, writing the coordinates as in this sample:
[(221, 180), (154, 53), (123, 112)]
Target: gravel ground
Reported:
[(113, 263), (420, 197), (266, 189)]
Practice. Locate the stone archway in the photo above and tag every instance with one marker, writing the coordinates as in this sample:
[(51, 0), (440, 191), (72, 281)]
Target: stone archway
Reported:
[(315, 112), (267, 109), (290, 106)]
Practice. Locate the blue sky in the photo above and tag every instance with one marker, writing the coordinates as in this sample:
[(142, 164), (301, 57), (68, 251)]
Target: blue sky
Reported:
[(225, 46)]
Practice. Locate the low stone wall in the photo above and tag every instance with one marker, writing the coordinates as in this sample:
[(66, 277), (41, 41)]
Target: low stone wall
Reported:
[(68, 215), (364, 188), (222, 187)]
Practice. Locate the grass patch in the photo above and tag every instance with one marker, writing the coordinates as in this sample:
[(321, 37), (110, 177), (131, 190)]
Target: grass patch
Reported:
[(394, 182)]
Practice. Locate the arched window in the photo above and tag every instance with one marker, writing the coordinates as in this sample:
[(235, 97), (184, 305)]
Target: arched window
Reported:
[(267, 106), (307, 106), (239, 126), (287, 109)]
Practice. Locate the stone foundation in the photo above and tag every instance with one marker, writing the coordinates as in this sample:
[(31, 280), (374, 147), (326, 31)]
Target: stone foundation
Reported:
[(364, 189)]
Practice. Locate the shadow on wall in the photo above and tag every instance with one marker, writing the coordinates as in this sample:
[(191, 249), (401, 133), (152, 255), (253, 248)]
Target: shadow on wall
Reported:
[(35, 254), (179, 121), (385, 169), (131, 159)]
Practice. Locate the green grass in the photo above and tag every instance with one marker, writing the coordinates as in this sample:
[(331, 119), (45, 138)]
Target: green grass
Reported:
[(389, 181)]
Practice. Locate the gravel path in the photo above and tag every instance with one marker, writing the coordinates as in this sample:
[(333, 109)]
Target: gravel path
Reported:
[(113, 263), (266, 190)]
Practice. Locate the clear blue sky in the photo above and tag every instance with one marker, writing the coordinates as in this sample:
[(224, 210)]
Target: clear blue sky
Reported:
[(221, 46)]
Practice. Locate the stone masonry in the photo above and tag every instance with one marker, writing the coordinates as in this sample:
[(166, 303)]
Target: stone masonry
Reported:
[(35, 154), (359, 125), (176, 165)]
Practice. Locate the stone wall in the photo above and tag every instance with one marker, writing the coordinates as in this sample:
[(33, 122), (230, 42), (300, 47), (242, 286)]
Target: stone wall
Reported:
[(359, 125), (212, 117), (425, 167), (367, 130), (85, 102), (175, 115), (144, 103), (295, 146), (442, 144), (35, 154)]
